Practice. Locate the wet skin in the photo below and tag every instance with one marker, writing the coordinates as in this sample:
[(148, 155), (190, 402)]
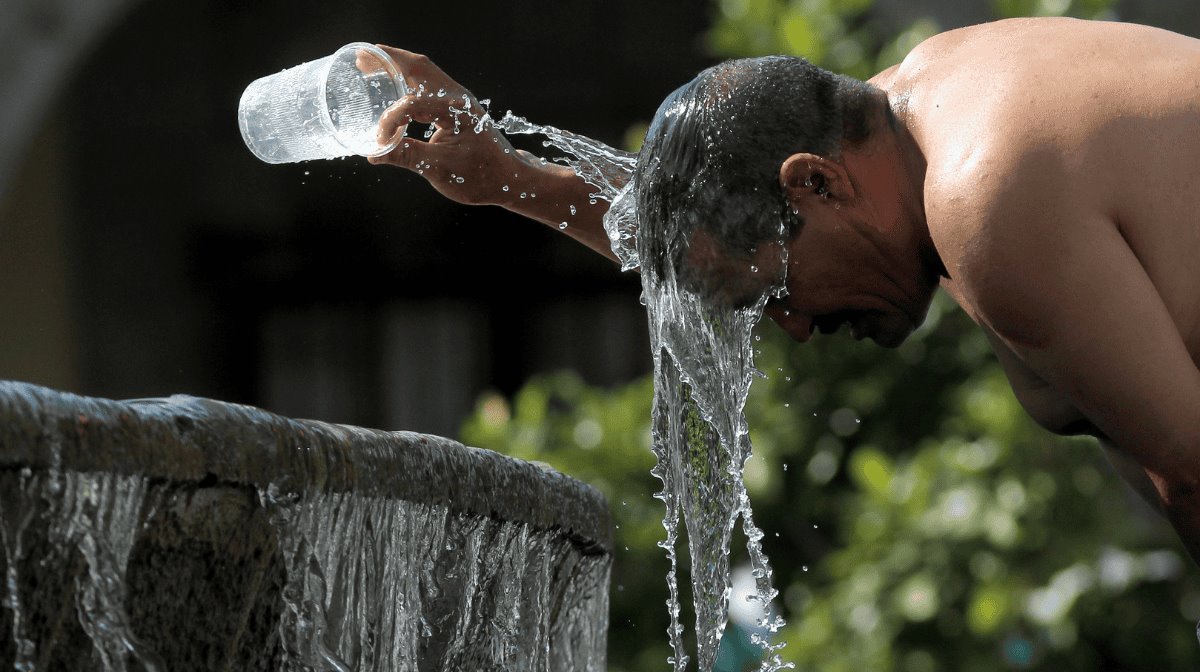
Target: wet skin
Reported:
[(486, 160), (1061, 199), (1043, 172)]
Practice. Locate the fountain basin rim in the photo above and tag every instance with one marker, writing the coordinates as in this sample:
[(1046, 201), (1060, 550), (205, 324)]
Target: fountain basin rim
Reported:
[(192, 439)]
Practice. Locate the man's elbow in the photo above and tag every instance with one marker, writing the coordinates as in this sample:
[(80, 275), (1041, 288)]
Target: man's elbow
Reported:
[(1176, 491), (1171, 461), (1175, 472)]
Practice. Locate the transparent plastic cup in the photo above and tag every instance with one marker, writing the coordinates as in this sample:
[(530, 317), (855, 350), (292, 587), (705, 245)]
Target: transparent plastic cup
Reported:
[(323, 109)]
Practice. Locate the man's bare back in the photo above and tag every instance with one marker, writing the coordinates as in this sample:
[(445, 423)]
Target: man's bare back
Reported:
[(1062, 194), (1104, 116)]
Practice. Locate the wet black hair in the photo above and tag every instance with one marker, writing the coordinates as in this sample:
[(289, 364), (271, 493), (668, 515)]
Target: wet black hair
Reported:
[(711, 158)]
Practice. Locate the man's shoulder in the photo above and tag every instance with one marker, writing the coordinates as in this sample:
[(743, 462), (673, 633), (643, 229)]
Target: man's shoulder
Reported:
[(986, 180), (999, 218)]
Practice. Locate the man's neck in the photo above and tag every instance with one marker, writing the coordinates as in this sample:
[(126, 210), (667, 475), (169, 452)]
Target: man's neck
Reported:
[(906, 151), (888, 172)]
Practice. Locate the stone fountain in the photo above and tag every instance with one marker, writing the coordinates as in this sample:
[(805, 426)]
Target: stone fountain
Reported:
[(190, 534)]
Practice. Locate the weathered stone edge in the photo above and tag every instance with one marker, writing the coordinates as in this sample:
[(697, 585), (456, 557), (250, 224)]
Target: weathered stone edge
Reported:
[(184, 438)]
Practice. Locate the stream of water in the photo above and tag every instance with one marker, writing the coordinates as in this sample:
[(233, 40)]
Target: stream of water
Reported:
[(703, 369)]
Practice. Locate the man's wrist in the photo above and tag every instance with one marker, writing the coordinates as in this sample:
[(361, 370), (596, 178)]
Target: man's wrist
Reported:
[(533, 183)]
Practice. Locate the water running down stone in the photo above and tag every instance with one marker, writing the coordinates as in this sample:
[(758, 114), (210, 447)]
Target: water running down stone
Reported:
[(185, 533)]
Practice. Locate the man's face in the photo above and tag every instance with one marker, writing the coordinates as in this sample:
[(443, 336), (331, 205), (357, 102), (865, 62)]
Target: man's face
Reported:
[(730, 279), (834, 277)]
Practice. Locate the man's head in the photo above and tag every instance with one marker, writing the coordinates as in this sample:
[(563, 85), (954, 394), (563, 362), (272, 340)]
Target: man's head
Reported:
[(735, 165), (712, 155)]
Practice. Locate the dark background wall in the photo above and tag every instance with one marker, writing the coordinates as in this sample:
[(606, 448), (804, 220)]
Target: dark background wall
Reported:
[(145, 252)]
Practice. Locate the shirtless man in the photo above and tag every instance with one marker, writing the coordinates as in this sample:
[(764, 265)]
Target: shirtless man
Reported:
[(1043, 172)]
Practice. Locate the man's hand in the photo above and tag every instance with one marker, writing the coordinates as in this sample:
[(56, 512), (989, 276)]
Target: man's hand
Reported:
[(466, 158)]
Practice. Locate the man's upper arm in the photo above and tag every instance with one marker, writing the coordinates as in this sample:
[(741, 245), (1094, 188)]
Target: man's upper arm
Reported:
[(1062, 288)]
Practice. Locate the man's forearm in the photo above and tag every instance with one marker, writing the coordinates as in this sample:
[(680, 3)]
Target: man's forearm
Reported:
[(555, 196)]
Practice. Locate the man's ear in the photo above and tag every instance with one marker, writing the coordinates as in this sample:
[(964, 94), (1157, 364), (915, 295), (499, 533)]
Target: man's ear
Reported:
[(810, 178)]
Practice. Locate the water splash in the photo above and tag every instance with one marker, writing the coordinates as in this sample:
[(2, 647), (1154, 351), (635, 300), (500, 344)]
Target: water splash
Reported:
[(703, 369), (599, 165), (703, 372), (620, 223)]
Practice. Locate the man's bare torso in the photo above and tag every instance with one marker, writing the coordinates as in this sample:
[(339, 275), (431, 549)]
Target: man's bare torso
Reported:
[(1104, 118)]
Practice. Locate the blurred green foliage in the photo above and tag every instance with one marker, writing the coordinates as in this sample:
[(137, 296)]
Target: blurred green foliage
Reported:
[(917, 521)]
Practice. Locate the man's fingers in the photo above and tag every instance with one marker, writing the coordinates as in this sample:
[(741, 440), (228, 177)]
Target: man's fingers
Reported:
[(368, 62), (422, 108), (408, 154), (412, 108), (418, 69), (393, 121)]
